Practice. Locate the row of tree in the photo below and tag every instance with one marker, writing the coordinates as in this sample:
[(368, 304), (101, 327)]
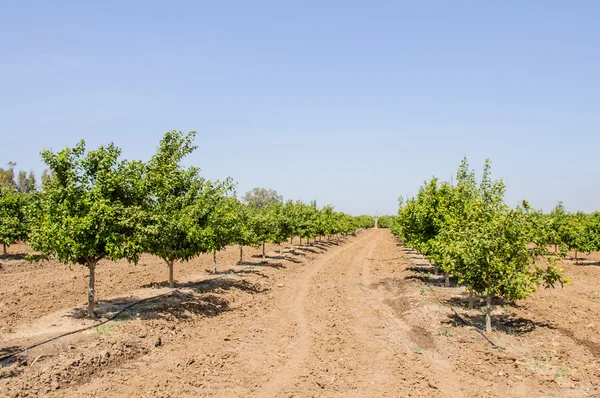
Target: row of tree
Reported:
[(467, 230), (95, 205), (578, 232)]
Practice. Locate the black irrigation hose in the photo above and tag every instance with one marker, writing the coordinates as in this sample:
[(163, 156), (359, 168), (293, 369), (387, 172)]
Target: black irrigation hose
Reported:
[(8, 356)]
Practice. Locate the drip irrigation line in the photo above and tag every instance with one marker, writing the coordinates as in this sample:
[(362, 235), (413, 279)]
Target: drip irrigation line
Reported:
[(112, 317), (11, 355)]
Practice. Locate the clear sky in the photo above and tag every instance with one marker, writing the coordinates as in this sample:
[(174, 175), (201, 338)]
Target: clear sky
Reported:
[(350, 103)]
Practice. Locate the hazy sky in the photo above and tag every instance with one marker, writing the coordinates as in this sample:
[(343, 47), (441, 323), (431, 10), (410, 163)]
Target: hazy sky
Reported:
[(349, 103)]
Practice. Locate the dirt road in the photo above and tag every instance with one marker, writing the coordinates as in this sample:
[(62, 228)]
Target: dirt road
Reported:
[(346, 319), (324, 331)]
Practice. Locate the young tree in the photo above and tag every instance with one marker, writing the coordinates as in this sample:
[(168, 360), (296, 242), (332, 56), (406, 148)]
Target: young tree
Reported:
[(89, 210), (308, 217), (242, 231), (7, 177), (470, 232), (13, 225), (262, 225), (222, 220), (178, 203), (384, 222)]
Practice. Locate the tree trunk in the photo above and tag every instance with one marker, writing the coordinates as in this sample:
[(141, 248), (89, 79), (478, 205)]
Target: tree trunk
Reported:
[(171, 283), (92, 268), (214, 261), (280, 249), (241, 254), (447, 281), (292, 243), (5, 253), (555, 248), (488, 314), (264, 256), (300, 241), (471, 300)]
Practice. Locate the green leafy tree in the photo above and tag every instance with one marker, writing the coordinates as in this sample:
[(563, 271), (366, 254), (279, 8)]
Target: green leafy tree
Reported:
[(220, 230), (7, 177), (469, 231), (308, 218), (365, 221), (13, 224), (262, 198), (178, 204), (384, 222), (89, 210), (242, 231), (285, 223)]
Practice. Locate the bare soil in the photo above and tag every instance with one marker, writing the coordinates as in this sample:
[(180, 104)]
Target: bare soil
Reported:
[(349, 318)]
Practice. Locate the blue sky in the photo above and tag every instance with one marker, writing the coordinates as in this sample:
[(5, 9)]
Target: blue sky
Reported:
[(349, 103)]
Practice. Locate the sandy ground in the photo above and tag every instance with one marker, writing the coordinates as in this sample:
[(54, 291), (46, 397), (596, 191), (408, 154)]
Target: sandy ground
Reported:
[(350, 318)]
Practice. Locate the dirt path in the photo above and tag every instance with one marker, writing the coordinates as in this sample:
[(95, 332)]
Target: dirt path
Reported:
[(323, 331), (339, 319)]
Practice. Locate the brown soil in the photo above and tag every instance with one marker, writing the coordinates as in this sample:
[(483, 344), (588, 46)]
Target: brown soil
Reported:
[(340, 319)]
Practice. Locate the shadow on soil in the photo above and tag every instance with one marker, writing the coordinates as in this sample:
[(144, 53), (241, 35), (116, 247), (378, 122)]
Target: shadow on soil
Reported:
[(308, 249), (588, 263), (13, 257), (21, 359), (260, 264), (594, 348), (507, 324), (278, 257), (198, 299)]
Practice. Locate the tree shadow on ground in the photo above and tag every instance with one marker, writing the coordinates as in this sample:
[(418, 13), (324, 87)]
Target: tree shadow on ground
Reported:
[(260, 264), (328, 243), (462, 301), (594, 348), (385, 259), (14, 256), (412, 256), (505, 323), (21, 359), (188, 300), (279, 257), (307, 249), (587, 263)]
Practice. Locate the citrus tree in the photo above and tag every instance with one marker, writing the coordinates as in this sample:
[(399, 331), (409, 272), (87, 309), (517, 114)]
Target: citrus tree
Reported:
[(220, 229), (308, 216), (13, 224), (242, 232), (89, 210), (175, 203), (469, 231), (384, 222)]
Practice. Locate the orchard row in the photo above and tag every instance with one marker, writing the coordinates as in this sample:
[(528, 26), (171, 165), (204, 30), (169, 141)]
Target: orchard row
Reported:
[(467, 230), (94, 205)]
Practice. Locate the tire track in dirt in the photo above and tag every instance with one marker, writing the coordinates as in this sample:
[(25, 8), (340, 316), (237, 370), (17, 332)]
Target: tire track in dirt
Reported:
[(301, 347), (360, 347)]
